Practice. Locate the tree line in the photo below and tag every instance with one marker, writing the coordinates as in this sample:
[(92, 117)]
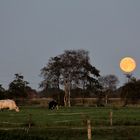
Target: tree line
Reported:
[(71, 74)]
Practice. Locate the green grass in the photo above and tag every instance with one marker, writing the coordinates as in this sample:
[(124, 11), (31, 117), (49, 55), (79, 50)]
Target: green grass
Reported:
[(74, 116), (70, 123)]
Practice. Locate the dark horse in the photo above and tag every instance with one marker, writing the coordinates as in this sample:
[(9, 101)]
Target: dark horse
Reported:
[(53, 104)]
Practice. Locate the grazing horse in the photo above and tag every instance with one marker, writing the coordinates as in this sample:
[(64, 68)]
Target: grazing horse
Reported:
[(8, 104), (53, 104)]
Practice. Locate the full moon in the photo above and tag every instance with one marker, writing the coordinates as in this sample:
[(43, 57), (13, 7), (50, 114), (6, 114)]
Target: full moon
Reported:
[(127, 64)]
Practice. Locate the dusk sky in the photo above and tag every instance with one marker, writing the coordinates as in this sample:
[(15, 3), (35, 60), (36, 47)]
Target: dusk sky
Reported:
[(32, 31)]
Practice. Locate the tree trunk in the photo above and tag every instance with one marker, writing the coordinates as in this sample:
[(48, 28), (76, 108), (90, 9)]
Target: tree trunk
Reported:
[(106, 99), (67, 88), (69, 103), (66, 96), (65, 100)]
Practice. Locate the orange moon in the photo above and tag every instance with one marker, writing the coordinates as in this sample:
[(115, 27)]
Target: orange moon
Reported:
[(127, 64)]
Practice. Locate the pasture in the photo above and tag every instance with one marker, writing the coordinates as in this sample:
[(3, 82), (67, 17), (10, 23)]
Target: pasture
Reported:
[(70, 123)]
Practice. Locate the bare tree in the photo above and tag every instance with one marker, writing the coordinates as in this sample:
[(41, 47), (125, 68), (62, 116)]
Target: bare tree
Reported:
[(109, 84)]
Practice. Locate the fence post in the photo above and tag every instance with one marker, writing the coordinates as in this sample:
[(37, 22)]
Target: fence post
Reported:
[(30, 120), (111, 118), (89, 129)]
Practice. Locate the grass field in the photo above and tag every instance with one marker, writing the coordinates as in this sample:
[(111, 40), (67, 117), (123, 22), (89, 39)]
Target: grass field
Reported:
[(70, 123)]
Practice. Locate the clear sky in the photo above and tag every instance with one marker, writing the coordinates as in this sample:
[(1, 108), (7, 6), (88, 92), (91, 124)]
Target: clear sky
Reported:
[(32, 31)]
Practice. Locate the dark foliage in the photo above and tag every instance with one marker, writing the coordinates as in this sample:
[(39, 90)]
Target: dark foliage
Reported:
[(131, 92), (18, 87), (70, 70), (2, 92)]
